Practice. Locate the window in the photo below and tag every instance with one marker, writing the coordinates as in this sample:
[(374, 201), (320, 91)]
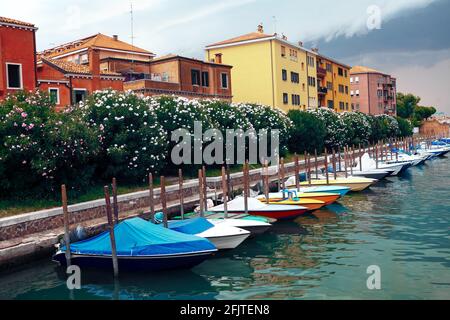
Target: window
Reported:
[(303, 66), (195, 77), (329, 67), (293, 54), (346, 89), (331, 104), (224, 78), (296, 99), (79, 95), (54, 95), (311, 81), (352, 93), (295, 77), (341, 88), (357, 93), (340, 72), (329, 85), (345, 73), (205, 79), (341, 105), (351, 79), (284, 75), (84, 58), (14, 75), (357, 79), (346, 106), (285, 98), (310, 61), (283, 51), (357, 107)]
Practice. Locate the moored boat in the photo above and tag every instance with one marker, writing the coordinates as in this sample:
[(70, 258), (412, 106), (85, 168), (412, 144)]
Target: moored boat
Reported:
[(257, 208), (327, 198), (141, 246), (223, 236)]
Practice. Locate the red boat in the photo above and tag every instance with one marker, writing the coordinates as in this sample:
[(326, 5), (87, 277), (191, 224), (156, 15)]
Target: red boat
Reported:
[(257, 208)]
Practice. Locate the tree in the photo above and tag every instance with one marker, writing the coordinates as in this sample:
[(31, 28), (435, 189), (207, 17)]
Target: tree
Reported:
[(405, 126), (307, 133), (423, 113), (406, 103)]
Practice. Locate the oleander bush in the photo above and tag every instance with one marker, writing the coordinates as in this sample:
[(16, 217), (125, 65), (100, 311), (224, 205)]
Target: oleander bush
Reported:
[(308, 132), (358, 128), (40, 148), (384, 127), (133, 142), (336, 135)]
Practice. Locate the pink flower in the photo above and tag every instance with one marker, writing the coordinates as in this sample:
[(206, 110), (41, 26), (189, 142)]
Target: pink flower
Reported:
[(24, 114), (24, 125), (31, 126)]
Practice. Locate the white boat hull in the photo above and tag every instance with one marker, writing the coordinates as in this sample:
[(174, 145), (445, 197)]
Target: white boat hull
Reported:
[(225, 237)]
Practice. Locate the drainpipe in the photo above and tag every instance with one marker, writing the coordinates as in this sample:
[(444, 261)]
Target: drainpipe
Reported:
[(273, 80), (368, 91), (35, 60), (307, 77)]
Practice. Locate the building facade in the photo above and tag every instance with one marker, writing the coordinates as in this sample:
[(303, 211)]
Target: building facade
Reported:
[(333, 84), (373, 92), (186, 77), (69, 83), (17, 56), (268, 69)]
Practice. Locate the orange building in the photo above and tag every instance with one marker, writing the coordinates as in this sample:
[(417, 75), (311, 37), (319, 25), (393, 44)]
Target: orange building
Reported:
[(17, 56), (186, 77), (334, 84)]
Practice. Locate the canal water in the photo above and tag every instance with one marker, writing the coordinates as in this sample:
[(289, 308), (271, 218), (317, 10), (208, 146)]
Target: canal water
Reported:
[(401, 225)]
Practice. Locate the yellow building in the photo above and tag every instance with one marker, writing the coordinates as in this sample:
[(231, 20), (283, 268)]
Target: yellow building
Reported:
[(269, 69), (333, 84)]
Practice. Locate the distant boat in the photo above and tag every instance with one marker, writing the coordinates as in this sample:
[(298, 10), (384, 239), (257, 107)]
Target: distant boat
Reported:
[(141, 246), (341, 190), (372, 174), (257, 208), (223, 236), (395, 168)]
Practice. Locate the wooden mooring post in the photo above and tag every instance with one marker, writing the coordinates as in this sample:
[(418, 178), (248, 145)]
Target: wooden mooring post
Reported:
[(151, 197), (180, 192), (205, 188), (164, 201), (246, 187), (297, 172), (115, 203), (316, 164), (309, 170), (326, 167), (266, 181), (200, 192), (225, 193), (66, 225), (334, 164), (112, 237), (283, 174)]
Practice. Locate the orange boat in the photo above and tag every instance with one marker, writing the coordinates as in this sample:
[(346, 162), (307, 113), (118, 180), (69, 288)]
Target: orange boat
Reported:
[(310, 204), (328, 198)]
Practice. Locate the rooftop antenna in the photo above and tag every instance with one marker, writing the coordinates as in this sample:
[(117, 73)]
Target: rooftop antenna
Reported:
[(132, 38), (274, 24)]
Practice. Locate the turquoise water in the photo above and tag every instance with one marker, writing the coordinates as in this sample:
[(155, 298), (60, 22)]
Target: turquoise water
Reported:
[(401, 225)]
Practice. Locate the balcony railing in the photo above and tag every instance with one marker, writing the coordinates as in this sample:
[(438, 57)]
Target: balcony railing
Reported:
[(322, 90), (321, 72)]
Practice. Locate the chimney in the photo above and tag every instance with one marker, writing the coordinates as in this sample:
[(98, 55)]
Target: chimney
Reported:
[(284, 37), (94, 67), (218, 58), (116, 37), (300, 43), (261, 28), (316, 50)]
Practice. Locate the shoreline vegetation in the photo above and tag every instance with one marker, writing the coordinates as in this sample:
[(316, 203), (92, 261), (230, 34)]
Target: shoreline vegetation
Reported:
[(127, 136)]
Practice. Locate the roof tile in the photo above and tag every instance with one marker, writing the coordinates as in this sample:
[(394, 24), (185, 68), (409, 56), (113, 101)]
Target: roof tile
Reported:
[(17, 22)]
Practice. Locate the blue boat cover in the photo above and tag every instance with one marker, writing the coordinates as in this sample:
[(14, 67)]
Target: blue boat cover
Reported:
[(138, 237), (191, 226)]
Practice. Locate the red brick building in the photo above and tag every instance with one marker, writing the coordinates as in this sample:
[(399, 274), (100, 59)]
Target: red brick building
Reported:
[(17, 56), (183, 76), (69, 83)]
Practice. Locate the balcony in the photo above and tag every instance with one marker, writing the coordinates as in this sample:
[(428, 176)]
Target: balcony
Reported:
[(322, 90), (321, 72)]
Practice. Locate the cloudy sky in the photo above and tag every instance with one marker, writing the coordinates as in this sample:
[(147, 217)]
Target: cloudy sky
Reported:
[(407, 38)]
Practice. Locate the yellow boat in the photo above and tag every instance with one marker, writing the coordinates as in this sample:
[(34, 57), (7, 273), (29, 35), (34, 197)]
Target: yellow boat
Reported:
[(310, 204), (328, 198), (355, 184)]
